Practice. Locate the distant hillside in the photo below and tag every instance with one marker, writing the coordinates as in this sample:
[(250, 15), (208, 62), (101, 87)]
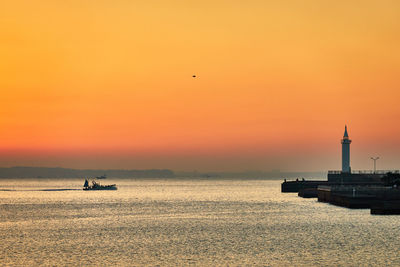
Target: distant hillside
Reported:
[(254, 175), (43, 172)]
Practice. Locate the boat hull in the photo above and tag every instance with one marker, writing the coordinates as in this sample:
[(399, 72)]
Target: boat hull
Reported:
[(112, 187)]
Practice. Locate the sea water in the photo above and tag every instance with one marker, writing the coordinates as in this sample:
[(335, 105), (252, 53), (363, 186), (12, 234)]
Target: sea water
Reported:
[(185, 222)]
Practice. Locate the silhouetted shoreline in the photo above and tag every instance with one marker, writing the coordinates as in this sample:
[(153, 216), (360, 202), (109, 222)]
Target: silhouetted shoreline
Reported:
[(58, 172), (45, 172)]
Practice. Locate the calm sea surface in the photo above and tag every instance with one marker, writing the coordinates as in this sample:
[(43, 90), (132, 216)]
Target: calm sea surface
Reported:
[(185, 222)]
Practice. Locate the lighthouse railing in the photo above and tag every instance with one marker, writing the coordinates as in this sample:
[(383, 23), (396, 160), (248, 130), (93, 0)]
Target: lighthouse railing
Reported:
[(365, 171)]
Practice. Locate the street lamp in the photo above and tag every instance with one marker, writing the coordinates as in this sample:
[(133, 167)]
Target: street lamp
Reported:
[(375, 159)]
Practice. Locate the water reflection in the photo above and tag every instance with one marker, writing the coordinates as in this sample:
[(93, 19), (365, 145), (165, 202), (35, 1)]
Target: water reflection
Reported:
[(161, 222)]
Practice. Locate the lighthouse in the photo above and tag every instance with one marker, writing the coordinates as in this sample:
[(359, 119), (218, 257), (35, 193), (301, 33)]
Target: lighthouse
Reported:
[(346, 152)]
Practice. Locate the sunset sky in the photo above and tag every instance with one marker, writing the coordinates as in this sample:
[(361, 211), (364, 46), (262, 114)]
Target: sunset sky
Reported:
[(108, 84)]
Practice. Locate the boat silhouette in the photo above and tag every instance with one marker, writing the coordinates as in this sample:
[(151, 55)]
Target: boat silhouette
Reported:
[(97, 186)]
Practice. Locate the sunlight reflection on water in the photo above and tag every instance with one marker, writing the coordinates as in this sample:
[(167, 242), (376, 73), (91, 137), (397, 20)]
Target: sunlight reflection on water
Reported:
[(185, 222)]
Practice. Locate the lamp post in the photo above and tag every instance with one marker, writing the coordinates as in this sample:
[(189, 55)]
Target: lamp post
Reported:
[(374, 159)]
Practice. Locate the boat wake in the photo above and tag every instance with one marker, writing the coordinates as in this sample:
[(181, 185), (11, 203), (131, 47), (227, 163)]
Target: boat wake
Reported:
[(64, 189), (61, 189)]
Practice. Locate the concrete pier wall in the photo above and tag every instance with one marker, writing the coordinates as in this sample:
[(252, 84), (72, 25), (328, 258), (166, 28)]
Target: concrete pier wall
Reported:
[(355, 177), (382, 200), (360, 197), (386, 207), (296, 186)]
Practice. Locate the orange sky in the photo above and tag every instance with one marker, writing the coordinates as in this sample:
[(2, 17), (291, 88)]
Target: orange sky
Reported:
[(107, 84)]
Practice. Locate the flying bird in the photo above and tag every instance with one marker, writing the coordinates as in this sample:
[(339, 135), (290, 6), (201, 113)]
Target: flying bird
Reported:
[(194, 76)]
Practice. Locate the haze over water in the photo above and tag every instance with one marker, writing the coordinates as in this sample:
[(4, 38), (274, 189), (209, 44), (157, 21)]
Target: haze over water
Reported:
[(185, 222)]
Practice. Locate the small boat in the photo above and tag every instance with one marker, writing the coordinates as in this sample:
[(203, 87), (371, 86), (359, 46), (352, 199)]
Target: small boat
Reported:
[(96, 186), (102, 177)]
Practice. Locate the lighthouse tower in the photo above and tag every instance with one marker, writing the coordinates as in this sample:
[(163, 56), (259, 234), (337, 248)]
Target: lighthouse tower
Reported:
[(346, 152)]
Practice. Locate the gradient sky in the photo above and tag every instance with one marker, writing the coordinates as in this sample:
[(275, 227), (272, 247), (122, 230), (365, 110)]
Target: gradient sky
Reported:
[(108, 84)]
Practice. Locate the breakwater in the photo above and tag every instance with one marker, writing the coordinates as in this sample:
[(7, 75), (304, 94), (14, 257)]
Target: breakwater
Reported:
[(297, 185), (361, 195), (380, 199)]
